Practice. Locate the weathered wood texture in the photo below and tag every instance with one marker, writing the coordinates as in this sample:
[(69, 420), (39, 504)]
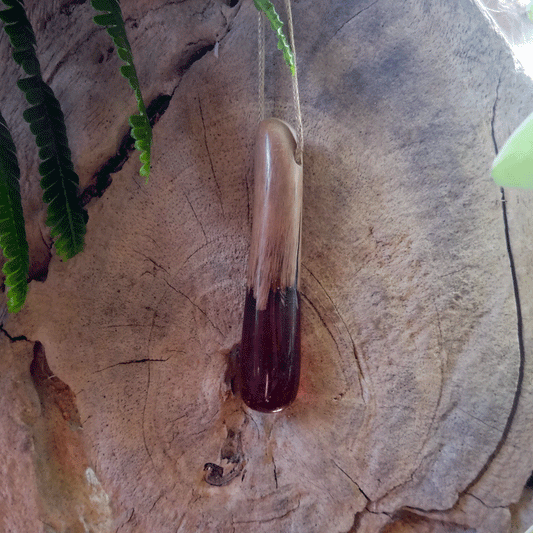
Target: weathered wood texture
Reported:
[(413, 415)]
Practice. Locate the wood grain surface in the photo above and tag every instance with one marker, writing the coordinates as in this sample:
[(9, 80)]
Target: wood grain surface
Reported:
[(415, 406)]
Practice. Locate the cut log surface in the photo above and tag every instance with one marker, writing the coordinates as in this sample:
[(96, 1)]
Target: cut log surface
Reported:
[(415, 409)]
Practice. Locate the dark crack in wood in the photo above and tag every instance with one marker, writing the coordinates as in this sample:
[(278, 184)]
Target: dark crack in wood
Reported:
[(11, 338), (353, 481), (194, 305), (519, 326), (208, 152), (102, 179)]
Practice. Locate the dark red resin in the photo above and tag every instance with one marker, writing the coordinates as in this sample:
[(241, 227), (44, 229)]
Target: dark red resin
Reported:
[(269, 359)]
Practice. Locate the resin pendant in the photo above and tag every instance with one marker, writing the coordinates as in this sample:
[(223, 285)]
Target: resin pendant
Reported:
[(269, 359)]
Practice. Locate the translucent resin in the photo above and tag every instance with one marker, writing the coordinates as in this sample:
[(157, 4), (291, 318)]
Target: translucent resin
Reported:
[(270, 351), (269, 360)]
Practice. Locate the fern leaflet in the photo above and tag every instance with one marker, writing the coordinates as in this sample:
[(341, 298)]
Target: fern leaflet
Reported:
[(275, 23), (59, 181), (12, 232), (141, 130)]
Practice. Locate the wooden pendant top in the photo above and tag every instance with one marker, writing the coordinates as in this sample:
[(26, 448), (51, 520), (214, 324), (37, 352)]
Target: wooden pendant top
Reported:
[(274, 251)]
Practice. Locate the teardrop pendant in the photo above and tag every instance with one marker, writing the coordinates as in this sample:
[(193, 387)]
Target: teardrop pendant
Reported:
[(269, 359)]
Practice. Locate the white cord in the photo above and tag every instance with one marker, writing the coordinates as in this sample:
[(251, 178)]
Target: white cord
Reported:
[(294, 79), (295, 92), (261, 60)]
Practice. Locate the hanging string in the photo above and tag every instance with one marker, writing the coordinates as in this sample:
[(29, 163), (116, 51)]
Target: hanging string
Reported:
[(295, 92), (261, 61)]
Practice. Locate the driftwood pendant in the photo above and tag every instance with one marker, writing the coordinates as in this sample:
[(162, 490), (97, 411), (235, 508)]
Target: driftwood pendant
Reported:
[(269, 359)]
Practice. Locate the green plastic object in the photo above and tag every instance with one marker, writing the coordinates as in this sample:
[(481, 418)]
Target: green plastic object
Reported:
[(513, 166)]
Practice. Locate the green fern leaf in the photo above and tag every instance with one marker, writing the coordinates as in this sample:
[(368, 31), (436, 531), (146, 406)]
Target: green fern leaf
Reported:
[(141, 131), (12, 232), (275, 23), (60, 183), (513, 166)]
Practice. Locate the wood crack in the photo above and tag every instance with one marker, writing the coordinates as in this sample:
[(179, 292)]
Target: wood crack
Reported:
[(493, 117), (132, 362), (275, 472), (11, 338), (521, 351), (352, 17), (519, 326), (157, 265), (353, 481), (196, 217), (219, 190), (195, 305), (521, 347), (484, 504), (102, 178), (361, 375)]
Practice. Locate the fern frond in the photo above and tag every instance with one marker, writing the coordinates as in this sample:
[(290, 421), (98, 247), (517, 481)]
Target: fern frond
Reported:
[(12, 232), (59, 181), (275, 23), (513, 166), (140, 125)]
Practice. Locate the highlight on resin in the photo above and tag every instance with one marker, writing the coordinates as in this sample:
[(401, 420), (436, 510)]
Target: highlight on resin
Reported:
[(269, 359)]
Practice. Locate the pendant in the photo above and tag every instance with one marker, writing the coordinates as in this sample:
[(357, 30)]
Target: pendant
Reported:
[(269, 359)]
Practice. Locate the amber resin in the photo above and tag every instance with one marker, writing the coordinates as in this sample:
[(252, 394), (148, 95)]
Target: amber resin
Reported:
[(269, 359)]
